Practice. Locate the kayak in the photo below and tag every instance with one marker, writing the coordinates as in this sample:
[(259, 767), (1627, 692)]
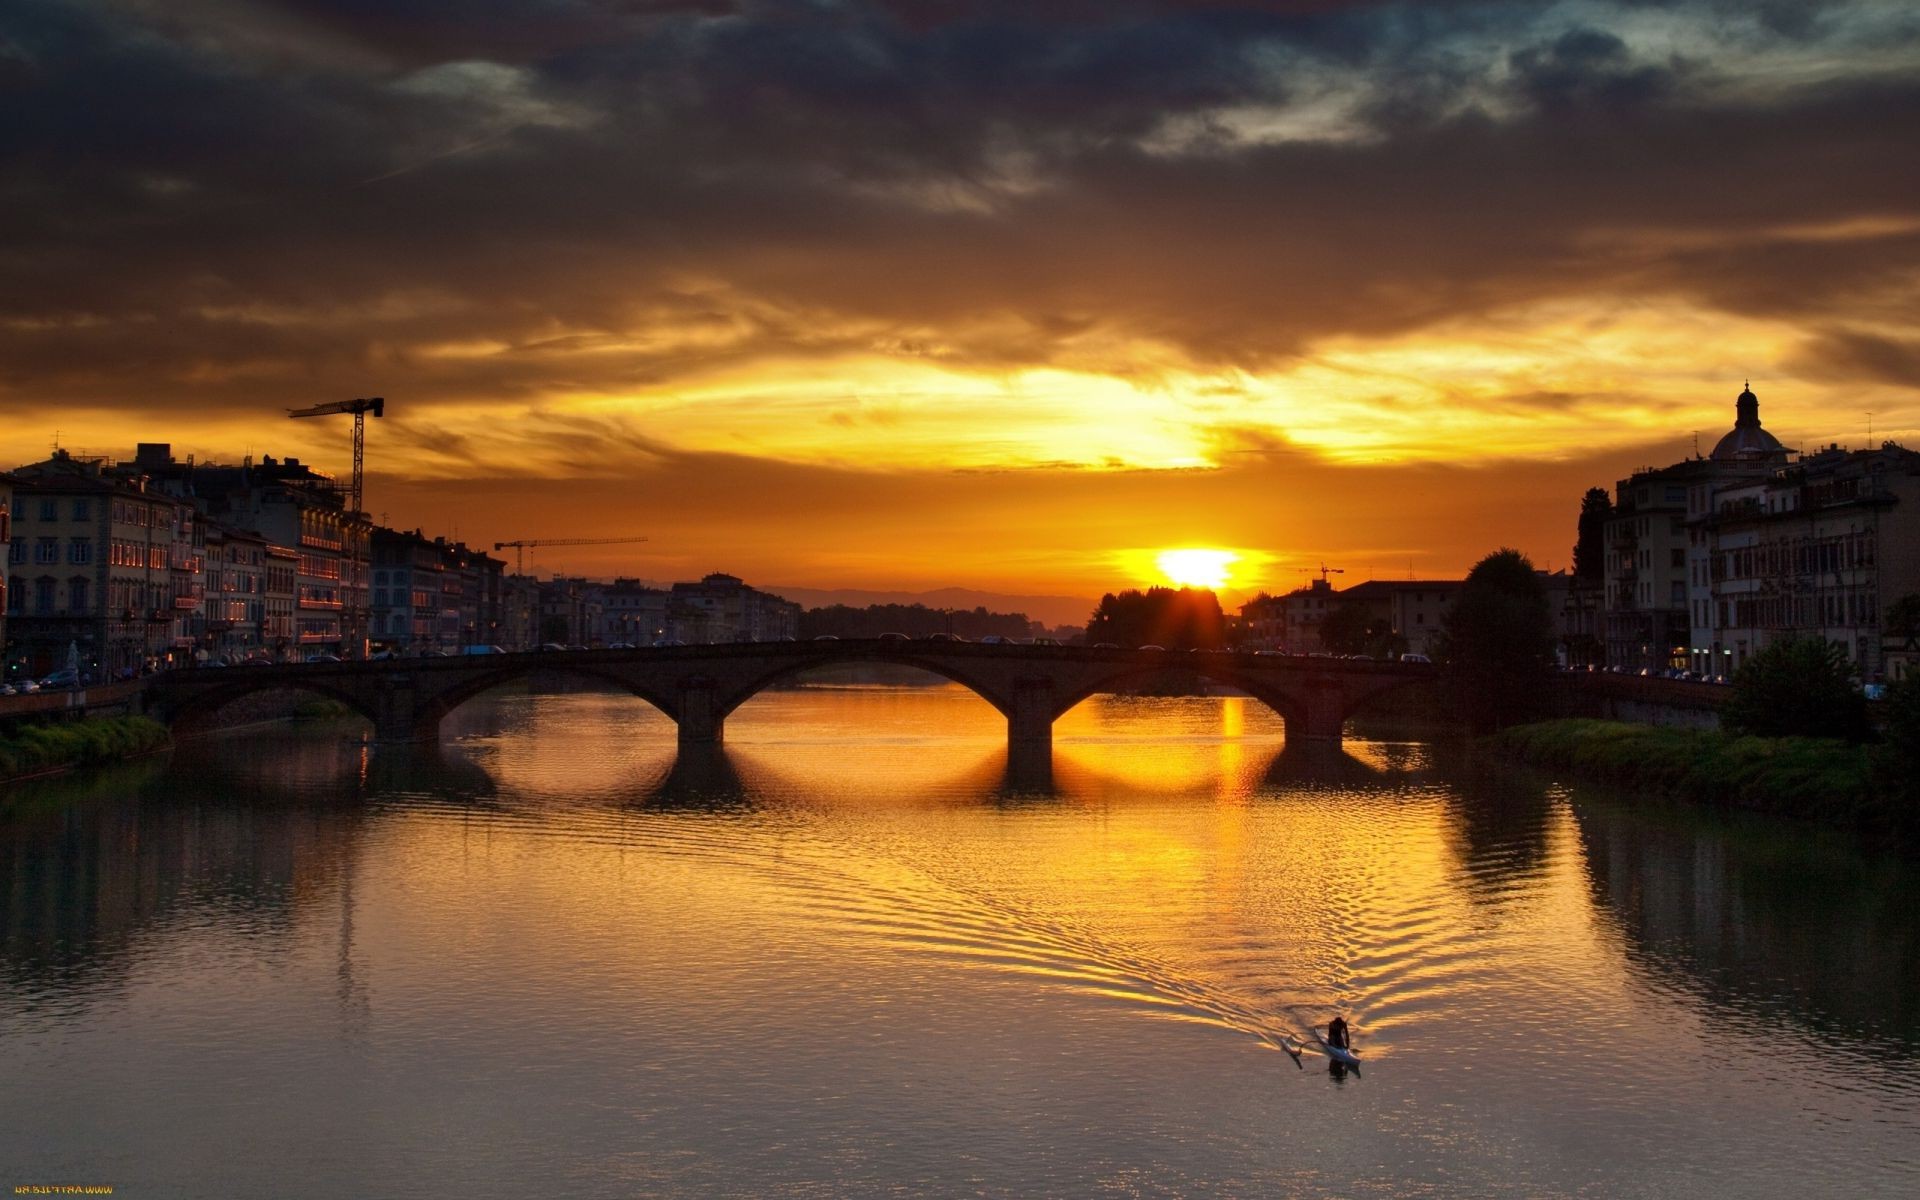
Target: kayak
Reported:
[(1345, 1057)]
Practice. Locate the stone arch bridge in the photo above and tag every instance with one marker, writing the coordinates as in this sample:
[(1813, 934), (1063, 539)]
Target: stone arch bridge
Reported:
[(698, 686)]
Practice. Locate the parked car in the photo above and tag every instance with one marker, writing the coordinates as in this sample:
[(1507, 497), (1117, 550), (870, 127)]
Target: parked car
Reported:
[(26, 687), (6, 689), (895, 637), (323, 658), (66, 677), (826, 637), (1106, 645), (1416, 658), (945, 637), (482, 650), (994, 639)]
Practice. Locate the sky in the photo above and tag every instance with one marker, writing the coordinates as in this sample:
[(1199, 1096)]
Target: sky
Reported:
[(1009, 296)]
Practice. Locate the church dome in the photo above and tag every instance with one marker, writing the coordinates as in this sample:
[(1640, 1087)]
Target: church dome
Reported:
[(1746, 439)]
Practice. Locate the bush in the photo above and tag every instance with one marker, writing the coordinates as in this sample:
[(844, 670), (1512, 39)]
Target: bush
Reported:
[(1823, 779), (1801, 687), (26, 749)]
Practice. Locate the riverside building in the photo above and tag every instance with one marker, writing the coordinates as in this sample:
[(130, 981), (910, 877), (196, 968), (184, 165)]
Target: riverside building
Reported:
[(1712, 559), (100, 563)]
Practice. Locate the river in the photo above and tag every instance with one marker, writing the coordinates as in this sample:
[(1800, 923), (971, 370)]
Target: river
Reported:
[(847, 957)]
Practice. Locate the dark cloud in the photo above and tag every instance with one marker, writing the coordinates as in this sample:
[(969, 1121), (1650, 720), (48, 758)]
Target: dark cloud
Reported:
[(680, 187)]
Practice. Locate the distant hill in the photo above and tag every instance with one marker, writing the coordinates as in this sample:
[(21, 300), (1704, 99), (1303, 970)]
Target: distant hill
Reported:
[(1054, 610)]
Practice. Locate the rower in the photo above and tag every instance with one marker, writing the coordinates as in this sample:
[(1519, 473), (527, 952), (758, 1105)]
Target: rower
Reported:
[(1337, 1033)]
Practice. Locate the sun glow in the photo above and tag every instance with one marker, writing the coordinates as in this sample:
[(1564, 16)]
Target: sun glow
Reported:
[(1197, 568)]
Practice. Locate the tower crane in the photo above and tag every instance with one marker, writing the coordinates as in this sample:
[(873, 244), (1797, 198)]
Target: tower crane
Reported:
[(521, 546), (352, 614), (1325, 571)]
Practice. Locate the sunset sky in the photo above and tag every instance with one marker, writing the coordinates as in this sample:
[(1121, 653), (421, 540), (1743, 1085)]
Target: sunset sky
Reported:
[(1008, 296)]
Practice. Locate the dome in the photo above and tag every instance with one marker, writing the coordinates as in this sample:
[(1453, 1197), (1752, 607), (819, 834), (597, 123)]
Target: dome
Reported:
[(1746, 439)]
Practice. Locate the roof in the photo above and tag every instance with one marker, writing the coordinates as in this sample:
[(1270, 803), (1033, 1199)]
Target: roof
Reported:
[(1386, 587)]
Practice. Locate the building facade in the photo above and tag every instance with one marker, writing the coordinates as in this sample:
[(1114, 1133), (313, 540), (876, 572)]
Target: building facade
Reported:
[(722, 608), (6, 536), (234, 603), (1822, 547), (1713, 559), (99, 567)]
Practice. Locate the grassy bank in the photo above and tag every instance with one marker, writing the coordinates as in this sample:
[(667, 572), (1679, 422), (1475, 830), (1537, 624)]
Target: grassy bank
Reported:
[(1802, 777), (30, 749)]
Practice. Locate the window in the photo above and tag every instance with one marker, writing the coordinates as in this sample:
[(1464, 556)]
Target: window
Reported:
[(49, 510), (82, 510), (1679, 557), (17, 552), (80, 551), (77, 595), (43, 595), (46, 550)]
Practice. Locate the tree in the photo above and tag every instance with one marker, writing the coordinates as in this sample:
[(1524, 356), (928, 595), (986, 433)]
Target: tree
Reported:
[(1353, 628), (1590, 551), (1799, 687), (1186, 619), (1496, 645), (1901, 749), (1903, 620)]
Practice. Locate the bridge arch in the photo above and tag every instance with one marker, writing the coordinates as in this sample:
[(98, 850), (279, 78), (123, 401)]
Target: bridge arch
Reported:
[(1291, 706), (744, 690), (193, 714), (433, 709)]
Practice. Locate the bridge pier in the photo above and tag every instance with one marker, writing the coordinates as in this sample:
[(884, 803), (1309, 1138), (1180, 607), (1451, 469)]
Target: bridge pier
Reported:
[(1030, 718), (396, 715), (701, 719), (1321, 721)]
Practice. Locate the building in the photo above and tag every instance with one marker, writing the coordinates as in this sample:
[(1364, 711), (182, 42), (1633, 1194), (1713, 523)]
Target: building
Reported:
[(1290, 622), (279, 637), (289, 504), (1416, 609), (429, 594), (1655, 560), (1712, 559), (234, 604), (570, 612), (100, 567), (1822, 547), (632, 613), (6, 536), (722, 608), (519, 613)]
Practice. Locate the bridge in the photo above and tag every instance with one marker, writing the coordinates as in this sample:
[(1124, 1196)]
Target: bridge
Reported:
[(698, 686)]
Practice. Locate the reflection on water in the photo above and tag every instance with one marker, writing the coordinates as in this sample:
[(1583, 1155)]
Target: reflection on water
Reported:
[(857, 950)]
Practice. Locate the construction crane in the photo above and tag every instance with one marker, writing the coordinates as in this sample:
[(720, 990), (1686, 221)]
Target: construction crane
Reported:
[(1325, 571), (359, 408), (353, 619), (521, 546)]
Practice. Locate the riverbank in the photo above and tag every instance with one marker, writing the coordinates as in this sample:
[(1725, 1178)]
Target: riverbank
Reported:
[(1810, 778), (38, 748)]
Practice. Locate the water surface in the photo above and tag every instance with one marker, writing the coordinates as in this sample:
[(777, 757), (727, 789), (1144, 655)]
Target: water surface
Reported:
[(850, 956)]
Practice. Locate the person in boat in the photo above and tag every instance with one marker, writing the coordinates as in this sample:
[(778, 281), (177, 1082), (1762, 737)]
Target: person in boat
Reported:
[(1337, 1033)]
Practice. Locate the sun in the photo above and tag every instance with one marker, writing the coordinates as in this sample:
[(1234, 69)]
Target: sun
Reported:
[(1197, 568)]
